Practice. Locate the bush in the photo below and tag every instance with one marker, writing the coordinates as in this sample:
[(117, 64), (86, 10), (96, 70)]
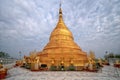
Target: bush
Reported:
[(28, 66), (61, 68), (71, 68), (53, 68)]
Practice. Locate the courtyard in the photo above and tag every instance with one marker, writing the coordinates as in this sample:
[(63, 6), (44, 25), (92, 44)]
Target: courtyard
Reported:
[(106, 73)]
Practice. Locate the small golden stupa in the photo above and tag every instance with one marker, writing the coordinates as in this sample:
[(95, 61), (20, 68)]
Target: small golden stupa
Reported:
[(61, 48)]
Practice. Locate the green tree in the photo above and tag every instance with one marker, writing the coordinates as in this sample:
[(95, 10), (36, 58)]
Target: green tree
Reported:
[(3, 54), (111, 55), (117, 56)]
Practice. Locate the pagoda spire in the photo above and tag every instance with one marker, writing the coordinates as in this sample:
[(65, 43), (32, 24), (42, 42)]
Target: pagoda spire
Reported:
[(60, 3), (60, 12)]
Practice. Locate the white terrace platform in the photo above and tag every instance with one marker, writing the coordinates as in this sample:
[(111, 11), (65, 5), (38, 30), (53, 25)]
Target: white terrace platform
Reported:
[(108, 73)]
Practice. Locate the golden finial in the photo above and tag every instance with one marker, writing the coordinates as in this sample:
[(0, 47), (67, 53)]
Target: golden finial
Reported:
[(60, 10)]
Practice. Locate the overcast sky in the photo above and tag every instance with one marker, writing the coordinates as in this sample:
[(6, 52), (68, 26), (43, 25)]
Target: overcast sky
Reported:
[(25, 25)]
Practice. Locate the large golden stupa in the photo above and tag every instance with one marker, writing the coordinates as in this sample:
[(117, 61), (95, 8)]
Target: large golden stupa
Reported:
[(61, 48)]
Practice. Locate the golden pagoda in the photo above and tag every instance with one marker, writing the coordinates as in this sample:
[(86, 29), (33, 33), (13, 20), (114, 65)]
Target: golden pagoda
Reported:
[(61, 50)]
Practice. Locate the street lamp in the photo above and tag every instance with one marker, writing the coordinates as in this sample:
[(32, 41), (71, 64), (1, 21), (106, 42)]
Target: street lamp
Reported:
[(1, 62), (20, 54)]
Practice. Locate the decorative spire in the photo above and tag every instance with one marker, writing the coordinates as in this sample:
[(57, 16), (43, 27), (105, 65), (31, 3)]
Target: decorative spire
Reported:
[(60, 11), (60, 3)]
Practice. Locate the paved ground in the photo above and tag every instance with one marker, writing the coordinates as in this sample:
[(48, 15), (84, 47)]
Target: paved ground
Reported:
[(108, 73)]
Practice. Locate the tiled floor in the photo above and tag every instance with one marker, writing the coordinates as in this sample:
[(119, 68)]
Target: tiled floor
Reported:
[(108, 73)]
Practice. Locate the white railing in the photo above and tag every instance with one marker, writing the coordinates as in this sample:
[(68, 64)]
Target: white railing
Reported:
[(7, 60)]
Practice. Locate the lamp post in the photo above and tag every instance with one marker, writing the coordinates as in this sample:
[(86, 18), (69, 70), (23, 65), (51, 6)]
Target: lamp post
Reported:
[(106, 55), (1, 62), (20, 54)]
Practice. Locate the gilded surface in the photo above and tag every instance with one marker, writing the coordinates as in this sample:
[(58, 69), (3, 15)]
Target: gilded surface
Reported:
[(61, 48)]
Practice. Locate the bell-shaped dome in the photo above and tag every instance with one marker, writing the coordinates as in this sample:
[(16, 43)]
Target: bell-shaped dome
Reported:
[(61, 29), (61, 46), (61, 36)]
